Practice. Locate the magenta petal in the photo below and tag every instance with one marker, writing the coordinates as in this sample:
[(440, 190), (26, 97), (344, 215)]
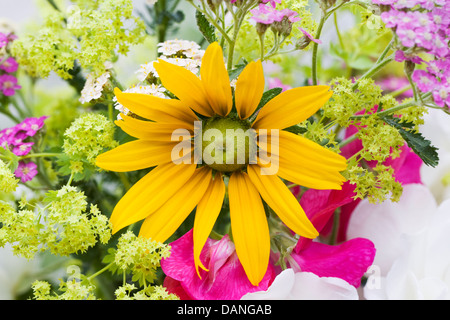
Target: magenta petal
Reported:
[(319, 206), (226, 278), (406, 166), (348, 261)]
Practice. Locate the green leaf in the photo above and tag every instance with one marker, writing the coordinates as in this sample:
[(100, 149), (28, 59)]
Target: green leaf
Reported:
[(207, 30), (268, 95), (421, 146), (360, 63), (233, 74)]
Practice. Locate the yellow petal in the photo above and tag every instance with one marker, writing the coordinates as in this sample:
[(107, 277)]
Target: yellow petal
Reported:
[(150, 193), (136, 155), (291, 107), (249, 226), (277, 195), (303, 161), (215, 80), (185, 85), (162, 223), (157, 109), (208, 210), (249, 89), (149, 130)]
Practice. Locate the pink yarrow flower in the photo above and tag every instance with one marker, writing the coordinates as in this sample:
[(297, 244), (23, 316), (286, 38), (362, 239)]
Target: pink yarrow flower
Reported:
[(225, 280)]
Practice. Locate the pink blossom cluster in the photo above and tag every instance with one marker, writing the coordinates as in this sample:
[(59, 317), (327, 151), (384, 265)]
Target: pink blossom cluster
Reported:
[(18, 139), (268, 14), (423, 26), (8, 66)]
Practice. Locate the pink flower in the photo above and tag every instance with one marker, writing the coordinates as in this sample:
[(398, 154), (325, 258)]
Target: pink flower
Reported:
[(266, 15), (276, 83), (32, 125), (26, 171), (8, 84), (3, 40), (425, 81), (225, 280), (9, 65), (23, 148), (272, 2), (348, 260), (292, 15), (309, 36), (441, 95)]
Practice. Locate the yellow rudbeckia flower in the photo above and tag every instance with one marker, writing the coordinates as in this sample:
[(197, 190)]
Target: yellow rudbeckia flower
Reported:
[(174, 188)]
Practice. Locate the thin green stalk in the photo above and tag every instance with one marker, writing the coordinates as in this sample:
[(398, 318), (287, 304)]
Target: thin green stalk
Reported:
[(348, 140), (398, 92), (40, 155), (261, 41), (7, 113), (315, 49), (100, 271), (375, 68), (387, 111)]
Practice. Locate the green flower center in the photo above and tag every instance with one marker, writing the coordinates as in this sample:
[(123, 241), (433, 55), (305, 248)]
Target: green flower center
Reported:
[(228, 144)]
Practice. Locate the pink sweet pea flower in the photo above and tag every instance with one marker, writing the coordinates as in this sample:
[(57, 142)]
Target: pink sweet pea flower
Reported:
[(225, 280), (26, 171), (348, 260)]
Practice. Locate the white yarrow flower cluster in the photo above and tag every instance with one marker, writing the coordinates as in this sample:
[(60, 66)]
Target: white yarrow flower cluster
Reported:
[(152, 89), (183, 53), (93, 87)]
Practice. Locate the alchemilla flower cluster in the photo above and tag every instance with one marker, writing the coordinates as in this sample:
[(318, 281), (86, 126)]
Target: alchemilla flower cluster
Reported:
[(103, 182)]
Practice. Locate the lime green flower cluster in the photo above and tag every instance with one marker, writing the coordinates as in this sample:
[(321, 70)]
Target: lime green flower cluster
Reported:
[(72, 290), (92, 32), (150, 293), (64, 226), (8, 182), (87, 137), (139, 256), (358, 105)]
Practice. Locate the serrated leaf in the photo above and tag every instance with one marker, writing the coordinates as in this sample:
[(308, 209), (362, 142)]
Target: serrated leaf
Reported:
[(421, 146), (207, 30)]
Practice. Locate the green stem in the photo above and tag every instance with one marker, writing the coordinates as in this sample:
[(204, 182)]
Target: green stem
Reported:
[(375, 68), (39, 155), (7, 113), (315, 48), (387, 111), (69, 182), (100, 272), (261, 41), (400, 91), (348, 140)]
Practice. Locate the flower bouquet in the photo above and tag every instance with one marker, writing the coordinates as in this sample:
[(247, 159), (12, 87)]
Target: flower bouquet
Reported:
[(226, 150)]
